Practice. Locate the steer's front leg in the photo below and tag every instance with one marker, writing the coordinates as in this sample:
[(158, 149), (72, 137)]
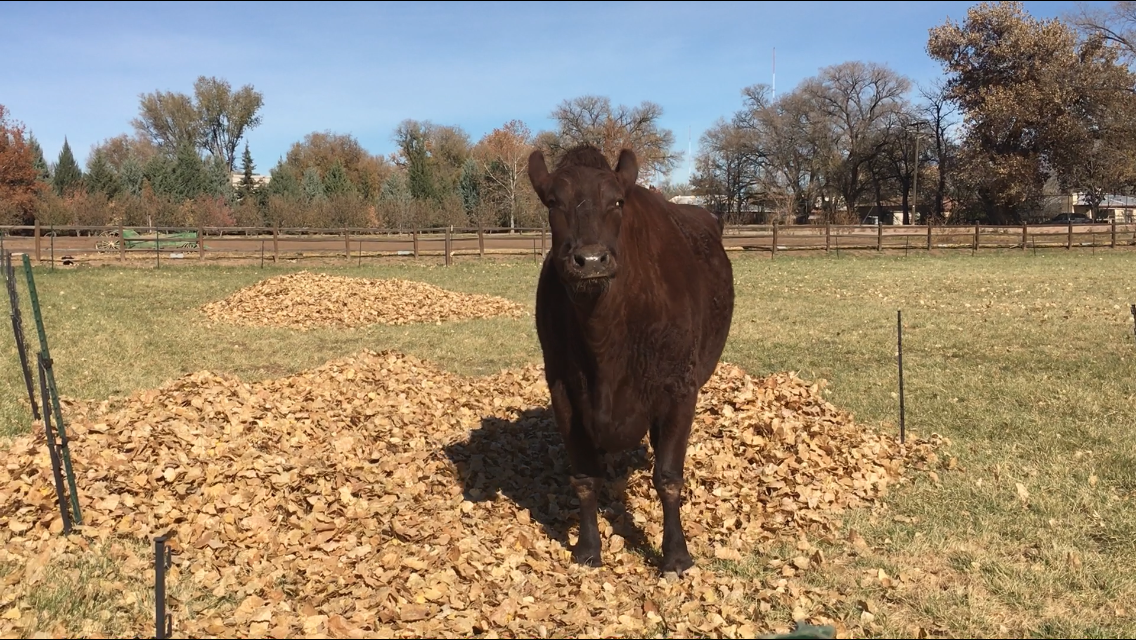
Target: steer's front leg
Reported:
[(587, 478), (670, 457), (587, 474)]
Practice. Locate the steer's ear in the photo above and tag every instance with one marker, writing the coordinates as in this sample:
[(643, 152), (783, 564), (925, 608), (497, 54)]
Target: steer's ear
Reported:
[(627, 168), (538, 176)]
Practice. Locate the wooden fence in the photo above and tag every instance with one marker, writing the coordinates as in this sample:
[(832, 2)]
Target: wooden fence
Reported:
[(99, 243)]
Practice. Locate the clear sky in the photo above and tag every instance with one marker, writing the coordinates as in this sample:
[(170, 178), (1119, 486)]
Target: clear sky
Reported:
[(77, 69)]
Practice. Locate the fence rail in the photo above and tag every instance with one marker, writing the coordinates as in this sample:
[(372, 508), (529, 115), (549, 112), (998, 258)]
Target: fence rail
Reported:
[(96, 243)]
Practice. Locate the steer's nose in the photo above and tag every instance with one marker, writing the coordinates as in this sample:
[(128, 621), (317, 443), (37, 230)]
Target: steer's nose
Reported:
[(593, 261)]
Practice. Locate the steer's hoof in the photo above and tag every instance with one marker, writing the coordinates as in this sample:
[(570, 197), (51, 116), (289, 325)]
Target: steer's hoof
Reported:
[(587, 557), (677, 564)]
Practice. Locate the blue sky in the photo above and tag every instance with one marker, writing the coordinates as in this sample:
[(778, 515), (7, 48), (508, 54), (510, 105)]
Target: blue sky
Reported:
[(77, 69)]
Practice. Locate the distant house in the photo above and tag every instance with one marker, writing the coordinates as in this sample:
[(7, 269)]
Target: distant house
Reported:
[(750, 213), (698, 201), (1119, 208), (236, 177)]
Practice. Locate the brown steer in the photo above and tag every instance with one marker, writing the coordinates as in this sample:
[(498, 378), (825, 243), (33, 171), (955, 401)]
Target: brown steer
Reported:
[(633, 308)]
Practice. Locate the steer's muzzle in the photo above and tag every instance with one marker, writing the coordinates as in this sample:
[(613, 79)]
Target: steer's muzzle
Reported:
[(592, 261)]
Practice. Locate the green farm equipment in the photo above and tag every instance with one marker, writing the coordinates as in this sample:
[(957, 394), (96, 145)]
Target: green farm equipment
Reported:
[(109, 241)]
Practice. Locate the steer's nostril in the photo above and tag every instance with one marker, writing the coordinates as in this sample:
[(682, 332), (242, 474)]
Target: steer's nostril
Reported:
[(603, 259), (579, 259)]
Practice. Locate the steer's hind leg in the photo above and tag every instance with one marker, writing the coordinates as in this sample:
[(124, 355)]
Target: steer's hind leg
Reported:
[(670, 457), (587, 474)]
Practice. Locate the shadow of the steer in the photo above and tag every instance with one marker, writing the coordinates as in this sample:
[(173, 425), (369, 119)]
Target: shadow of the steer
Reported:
[(525, 461)]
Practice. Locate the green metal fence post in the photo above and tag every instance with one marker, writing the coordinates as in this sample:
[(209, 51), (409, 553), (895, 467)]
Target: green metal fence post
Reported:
[(55, 407)]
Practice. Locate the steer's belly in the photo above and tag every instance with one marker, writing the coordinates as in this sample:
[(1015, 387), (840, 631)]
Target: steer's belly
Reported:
[(622, 422)]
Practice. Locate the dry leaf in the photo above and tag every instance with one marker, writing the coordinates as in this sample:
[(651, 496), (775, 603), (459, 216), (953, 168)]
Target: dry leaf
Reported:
[(378, 495), (307, 300)]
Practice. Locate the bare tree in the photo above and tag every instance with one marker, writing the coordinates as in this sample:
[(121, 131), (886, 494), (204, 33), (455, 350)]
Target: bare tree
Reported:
[(941, 116), (225, 116), (214, 120), (858, 98), (592, 120), (1115, 24), (800, 149)]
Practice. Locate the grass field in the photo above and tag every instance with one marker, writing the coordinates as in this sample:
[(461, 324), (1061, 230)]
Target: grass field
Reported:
[(1025, 362)]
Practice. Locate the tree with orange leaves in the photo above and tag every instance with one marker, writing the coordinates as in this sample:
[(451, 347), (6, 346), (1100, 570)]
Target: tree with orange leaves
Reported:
[(18, 175), (503, 155)]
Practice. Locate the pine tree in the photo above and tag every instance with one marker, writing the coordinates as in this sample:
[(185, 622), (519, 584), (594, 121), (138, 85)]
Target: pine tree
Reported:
[(395, 189), (282, 182), (68, 176), (418, 171), (101, 177), (247, 185), (159, 172), (130, 176), (336, 181), (312, 186), (470, 186), (188, 176), (218, 182), (42, 168)]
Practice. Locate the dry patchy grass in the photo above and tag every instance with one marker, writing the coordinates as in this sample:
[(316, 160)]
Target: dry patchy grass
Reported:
[(1023, 361)]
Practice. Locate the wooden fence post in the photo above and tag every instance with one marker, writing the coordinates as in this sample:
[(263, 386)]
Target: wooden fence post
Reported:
[(37, 236), (1113, 242), (480, 242), (346, 244), (543, 250), (928, 233), (121, 244), (200, 243), (977, 230), (1069, 238), (276, 243), (879, 236), (415, 234), (1025, 233), (827, 235), (774, 254)]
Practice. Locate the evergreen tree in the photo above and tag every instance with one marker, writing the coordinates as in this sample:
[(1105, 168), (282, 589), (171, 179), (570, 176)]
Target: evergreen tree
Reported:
[(470, 185), (159, 172), (336, 181), (395, 189), (68, 176), (188, 176), (130, 176), (247, 185), (282, 182), (312, 186), (101, 177), (218, 182), (42, 169), (419, 176)]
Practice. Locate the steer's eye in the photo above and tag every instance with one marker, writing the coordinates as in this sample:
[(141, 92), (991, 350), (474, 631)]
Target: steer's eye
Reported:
[(619, 203)]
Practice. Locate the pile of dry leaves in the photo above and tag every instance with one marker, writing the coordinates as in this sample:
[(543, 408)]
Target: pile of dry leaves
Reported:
[(306, 300), (379, 495)]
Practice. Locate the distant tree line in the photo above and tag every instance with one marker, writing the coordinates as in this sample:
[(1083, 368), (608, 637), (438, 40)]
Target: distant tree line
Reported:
[(175, 169), (1027, 109)]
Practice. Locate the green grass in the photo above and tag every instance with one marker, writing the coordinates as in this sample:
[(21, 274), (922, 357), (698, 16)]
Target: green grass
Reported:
[(1025, 362)]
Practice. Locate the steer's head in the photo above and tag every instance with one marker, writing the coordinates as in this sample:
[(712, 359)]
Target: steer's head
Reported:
[(585, 201)]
